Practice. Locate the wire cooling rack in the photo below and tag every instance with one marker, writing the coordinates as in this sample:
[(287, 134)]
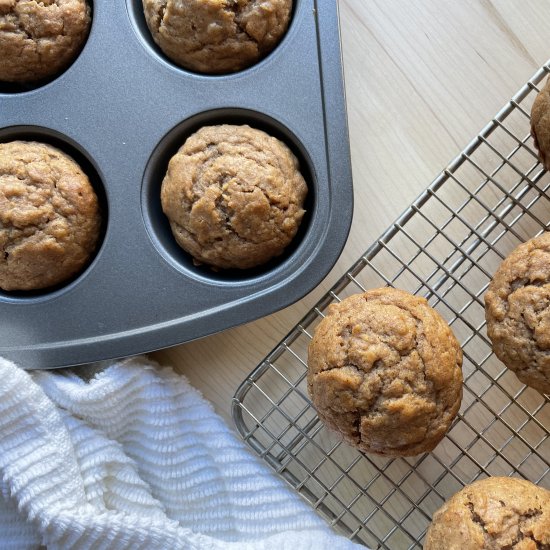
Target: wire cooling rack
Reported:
[(445, 247)]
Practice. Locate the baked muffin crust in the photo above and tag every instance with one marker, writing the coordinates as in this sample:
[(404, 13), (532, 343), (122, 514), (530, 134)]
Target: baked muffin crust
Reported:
[(234, 196), (493, 514), (384, 370), (40, 39), (540, 124), (517, 309), (49, 216), (217, 36)]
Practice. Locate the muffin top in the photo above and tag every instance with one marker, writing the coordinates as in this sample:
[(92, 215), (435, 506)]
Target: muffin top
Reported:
[(49, 216), (234, 196), (384, 370), (217, 36), (540, 124), (517, 309), (40, 39), (493, 514)]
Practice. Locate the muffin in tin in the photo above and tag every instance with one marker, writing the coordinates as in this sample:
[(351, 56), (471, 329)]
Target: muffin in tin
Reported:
[(38, 40), (384, 371), (234, 196), (50, 219), (217, 36)]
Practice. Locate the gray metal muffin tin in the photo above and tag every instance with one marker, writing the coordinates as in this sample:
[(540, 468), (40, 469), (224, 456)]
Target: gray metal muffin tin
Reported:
[(121, 110)]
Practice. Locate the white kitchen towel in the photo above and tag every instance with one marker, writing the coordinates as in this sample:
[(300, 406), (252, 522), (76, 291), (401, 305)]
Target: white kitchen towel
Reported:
[(135, 458)]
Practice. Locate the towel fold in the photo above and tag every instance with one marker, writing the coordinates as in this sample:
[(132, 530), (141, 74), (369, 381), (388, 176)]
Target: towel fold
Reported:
[(135, 458)]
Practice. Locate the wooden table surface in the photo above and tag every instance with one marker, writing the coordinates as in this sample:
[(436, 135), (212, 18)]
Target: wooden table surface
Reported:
[(422, 79)]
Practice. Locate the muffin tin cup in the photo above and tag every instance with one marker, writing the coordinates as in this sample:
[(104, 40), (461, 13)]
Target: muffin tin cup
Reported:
[(20, 87), (123, 110)]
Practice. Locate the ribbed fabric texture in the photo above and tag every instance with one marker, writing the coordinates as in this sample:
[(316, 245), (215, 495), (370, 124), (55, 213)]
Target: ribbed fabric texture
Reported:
[(135, 458)]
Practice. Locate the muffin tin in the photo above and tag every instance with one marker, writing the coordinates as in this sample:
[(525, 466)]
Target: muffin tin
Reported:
[(122, 110)]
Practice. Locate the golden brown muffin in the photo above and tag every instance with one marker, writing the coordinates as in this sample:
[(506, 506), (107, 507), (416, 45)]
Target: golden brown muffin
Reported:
[(40, 39), (217, 36), (540, 124), (496, 513), (517, 309), (384, 370), (234, 196), (49, 216)]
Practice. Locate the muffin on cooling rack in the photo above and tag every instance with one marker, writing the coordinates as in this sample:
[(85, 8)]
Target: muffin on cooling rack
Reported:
[(49, 216), (494, 513), (217, 36), (540, 124), (234, 196), (40, 39), (384, 371), (517, 309)]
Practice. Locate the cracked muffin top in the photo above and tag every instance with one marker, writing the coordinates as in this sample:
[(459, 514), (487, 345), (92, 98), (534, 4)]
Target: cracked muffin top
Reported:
[(40, 39), (234, 196), (217, 36), (517, 309), (49, 216), (540, 124), (384, 370), (493, 514)]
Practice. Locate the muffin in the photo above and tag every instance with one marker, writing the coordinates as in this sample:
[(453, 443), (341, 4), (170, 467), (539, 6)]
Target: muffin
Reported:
[(540, 124), (493, 514), (384, 371), (49, 216), (217, 36), (40, 39), (234, 196), (517, 310)]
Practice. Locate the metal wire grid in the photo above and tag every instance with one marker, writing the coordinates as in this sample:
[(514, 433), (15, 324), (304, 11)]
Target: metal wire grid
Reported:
[(446, 247)]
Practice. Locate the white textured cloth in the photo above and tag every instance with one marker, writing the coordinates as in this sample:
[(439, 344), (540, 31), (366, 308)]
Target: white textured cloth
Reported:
[(135, 458)]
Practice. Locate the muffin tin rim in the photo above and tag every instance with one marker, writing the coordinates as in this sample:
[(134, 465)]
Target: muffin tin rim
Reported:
[(324, 138)]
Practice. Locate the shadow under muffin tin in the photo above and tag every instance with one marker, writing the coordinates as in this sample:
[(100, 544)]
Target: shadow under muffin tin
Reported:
[(121, 110)]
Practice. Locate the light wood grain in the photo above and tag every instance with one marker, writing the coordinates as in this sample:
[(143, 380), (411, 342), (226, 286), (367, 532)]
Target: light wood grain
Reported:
[(422, 79)]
